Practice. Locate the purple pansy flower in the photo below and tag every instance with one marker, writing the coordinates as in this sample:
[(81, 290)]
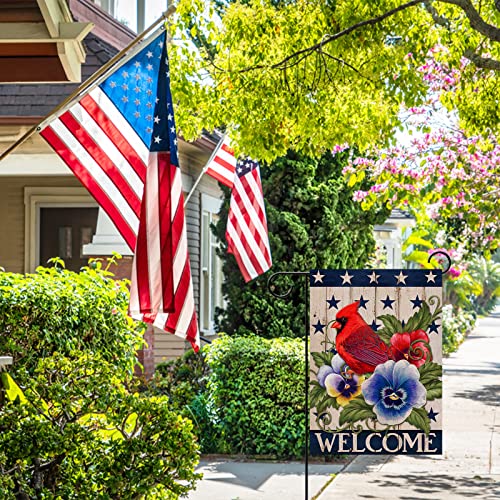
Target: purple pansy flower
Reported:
[(394, 389), (339, 381)]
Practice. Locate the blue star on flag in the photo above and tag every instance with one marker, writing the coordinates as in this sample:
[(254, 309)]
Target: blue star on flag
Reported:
[(333, 302), (374, 325), (433, 327), (318, 327), (362, 302), (387, 302), (417, 302), (432, 415)]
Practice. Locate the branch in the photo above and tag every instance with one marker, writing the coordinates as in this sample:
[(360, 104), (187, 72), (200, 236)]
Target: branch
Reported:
[(284, 63), (482, 62), (476, 21), (330, 38)]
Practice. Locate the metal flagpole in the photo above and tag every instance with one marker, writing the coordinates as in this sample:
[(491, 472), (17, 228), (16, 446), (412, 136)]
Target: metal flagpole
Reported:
[(205, 168), (271, 287), (90, 81)]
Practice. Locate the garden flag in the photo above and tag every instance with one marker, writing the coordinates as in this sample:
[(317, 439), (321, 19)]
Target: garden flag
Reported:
[(119, 140), (222, 163), (376, 361), (246, 232)]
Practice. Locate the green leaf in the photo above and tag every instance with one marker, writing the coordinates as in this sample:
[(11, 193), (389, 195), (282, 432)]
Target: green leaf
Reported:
[(429, 373), (391, 324), (356, 410), (419, 419), (436, 392), (322, 358)]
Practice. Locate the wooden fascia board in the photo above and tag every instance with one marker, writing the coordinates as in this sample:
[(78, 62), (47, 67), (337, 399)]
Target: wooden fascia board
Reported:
[(38, 33), (67, 33)]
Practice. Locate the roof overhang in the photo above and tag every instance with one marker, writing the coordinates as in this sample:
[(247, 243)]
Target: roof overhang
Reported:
[(40, 42)]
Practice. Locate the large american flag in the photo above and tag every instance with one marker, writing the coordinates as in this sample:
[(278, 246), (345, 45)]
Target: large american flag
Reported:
[(246, 232), (119, 139)]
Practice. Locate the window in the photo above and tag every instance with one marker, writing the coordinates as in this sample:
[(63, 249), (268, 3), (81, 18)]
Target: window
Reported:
[(107, 5), (211, 265)]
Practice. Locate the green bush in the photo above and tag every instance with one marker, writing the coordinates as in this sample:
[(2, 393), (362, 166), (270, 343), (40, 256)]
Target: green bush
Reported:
[(255, 395), (457, 324), (82, 426), (55, 310)]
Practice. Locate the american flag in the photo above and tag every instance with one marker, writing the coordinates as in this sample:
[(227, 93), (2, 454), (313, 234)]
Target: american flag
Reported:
[(223, 163), (120, 141), (246, 232)]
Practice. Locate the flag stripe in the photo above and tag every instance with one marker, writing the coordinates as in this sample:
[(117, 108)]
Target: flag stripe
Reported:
[(137, 150), (252, 212), (223, 164), (103, 161), (244, 240), (126, 230), (109, 147)]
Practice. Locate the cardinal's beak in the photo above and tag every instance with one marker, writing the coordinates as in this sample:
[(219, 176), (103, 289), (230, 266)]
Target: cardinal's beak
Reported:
[(337, 325)]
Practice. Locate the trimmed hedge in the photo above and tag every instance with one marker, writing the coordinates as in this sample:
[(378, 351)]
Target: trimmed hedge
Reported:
[(247, 397)]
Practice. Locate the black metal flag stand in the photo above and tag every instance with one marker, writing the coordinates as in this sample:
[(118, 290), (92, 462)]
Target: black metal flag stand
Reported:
[(272, 288)]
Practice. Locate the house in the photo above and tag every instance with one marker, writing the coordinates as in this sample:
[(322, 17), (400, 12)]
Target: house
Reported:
[(45, 212), (391, 235)]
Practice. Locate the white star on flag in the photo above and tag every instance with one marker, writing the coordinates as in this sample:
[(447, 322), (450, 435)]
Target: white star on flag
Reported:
[(318, 277), (401, 278), (347, 278), (431, 277), (374, 277)]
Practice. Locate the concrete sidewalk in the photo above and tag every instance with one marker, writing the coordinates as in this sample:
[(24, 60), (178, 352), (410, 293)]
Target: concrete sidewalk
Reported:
[(231, 480), (470, 466)]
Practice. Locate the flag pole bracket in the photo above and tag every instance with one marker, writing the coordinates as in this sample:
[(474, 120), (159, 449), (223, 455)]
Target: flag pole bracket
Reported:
[(272, 287)]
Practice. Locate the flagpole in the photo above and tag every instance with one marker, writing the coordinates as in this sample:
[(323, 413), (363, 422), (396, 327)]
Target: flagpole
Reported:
[(93, 78), (205, 168)]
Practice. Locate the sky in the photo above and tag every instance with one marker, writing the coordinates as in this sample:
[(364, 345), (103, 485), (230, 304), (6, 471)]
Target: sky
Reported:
[(126, 11)]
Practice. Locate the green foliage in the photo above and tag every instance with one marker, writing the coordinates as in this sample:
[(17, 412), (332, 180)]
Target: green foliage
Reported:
[(357, 409), (55, 310), (457, 324), (419, 418), (74, 422), (348, 90), (486, 273), (255, 395), (313, 223), (84, 432)]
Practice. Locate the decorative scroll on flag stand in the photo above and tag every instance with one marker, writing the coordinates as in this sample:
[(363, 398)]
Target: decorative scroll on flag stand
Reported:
[(374, 381)]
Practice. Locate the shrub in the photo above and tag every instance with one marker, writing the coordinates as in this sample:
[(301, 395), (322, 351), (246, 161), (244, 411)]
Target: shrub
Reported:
[(457, 324), (84, 427), (255, 395), (55, 310)]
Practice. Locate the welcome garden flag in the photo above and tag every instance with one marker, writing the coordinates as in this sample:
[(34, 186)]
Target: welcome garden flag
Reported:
[(376, 361)]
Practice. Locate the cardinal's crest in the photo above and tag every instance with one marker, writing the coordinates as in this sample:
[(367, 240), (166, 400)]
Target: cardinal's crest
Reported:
[(376, 361)]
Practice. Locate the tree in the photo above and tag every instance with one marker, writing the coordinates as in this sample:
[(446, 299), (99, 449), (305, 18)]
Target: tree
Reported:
[(313, 223), (304, 75)]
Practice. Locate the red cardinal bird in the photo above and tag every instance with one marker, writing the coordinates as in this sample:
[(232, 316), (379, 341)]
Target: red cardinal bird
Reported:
[(358, 345)]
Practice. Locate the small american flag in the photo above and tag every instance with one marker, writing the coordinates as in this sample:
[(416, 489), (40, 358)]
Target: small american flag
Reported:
[(246, 232), (223, 163), (120, 141)]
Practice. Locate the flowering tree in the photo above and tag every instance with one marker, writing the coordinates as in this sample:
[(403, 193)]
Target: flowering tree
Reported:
[(447, 178)]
